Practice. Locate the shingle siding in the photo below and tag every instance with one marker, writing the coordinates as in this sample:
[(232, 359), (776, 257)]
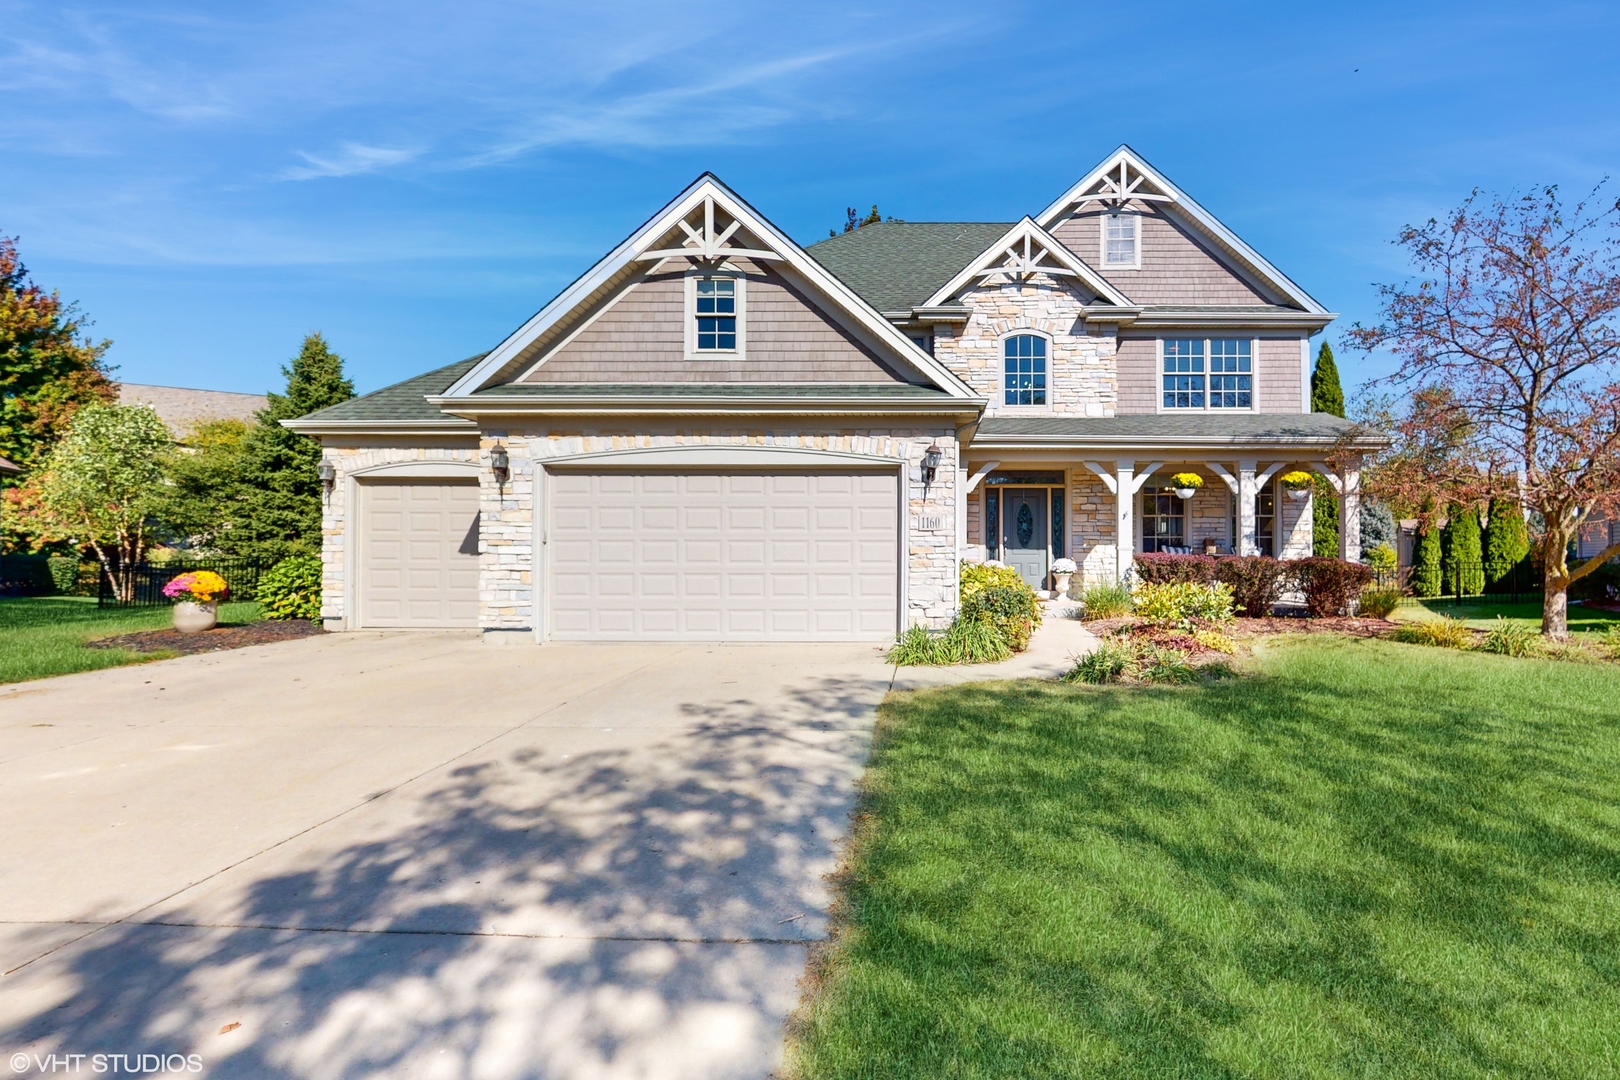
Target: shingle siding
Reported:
[(1176, 266), (641, 338)]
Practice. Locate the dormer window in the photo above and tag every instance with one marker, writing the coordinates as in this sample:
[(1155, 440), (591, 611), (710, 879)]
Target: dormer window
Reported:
[(714, 305), (1121, 235), (1024, 370)]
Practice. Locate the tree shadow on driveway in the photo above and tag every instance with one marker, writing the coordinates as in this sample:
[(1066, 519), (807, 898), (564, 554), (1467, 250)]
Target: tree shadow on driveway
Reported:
[(636, 908)]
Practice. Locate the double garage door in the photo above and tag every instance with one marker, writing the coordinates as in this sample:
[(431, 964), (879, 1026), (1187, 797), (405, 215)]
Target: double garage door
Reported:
[(716, 556), (657, 556)]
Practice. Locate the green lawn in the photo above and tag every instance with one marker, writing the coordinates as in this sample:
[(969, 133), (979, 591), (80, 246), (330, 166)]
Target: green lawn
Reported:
[(1482, 613), (1368, 860), (45, 635)]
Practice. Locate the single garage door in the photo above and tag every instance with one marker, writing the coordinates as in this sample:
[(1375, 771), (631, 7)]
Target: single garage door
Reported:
[(709, 556), (419, 553)]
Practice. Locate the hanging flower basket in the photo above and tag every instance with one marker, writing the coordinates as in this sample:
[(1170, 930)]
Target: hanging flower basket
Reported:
[(1298, 484), (1186, 484)]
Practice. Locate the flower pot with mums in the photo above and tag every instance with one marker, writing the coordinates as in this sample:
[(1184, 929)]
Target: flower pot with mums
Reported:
[(1062, 571), (196, 595), (1297, 484), (1186, 484)]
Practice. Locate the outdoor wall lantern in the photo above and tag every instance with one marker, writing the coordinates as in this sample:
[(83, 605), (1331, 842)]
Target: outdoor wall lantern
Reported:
[(500, 465), (328, 476), (930, 463)]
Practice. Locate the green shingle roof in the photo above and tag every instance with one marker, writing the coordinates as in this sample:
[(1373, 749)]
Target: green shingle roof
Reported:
[(808, 391), (1224, 426), (402, 401), (897, 265)]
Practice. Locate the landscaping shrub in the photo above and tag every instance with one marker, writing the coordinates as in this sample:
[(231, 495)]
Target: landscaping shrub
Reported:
[(1379, 603), (1160, 569), (64, 570), (1426, 577), (976, 576), (1013, 612), (1445, 632), (1183, 601), (1609, 641), (1509, 639), (1256, 581), (1330, 584), (1107, 663), (968, 640), (1381, 557), (1462, 569), (1506, 545), (1214, 639), (1105, 602), (291, 589), (1132, 660)]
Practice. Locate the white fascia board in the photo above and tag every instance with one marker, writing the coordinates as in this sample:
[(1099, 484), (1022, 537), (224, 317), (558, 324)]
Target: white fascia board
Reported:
[(449, 425), (643, 239), (1314, 444), (618, 404), (1169, 319), (1206, 221), (995, 252)]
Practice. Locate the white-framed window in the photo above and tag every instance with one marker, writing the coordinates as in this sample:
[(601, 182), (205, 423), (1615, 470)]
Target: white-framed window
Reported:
[(1163, 519), (1122, 240), (1206, 374), (923, 340), (714, 314), (1024, 370), (1265, 521)]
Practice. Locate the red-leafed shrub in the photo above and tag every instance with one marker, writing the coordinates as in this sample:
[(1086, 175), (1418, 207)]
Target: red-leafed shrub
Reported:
[(1257, 581), (1330, 584), (1157, 568)]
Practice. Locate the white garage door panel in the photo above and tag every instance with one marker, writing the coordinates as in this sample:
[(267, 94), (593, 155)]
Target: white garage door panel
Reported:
[(419, 554), (720, 556)]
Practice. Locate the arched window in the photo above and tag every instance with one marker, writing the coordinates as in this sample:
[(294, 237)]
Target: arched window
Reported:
[(1024, 370)]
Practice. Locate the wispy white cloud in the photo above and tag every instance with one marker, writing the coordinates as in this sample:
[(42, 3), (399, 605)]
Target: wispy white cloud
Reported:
[(350, 159)]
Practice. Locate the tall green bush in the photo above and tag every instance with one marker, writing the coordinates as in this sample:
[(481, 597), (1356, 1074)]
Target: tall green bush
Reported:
[(1507, 543), (291, 589), (1426, 576), (1461, 570)]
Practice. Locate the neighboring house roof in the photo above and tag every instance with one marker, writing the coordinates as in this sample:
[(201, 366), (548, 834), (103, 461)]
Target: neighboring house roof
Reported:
[(403, 402), (897, 265), (8, 466), (1176, 428), (182, 409)]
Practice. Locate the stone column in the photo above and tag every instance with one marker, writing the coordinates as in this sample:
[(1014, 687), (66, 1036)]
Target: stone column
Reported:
[(1125, 517), (1350, 512), (1245, 498)]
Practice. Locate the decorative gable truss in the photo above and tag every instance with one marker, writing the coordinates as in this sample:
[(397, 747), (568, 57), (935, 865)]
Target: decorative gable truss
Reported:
[(1027, 251), (1125, 177), (707, 225)]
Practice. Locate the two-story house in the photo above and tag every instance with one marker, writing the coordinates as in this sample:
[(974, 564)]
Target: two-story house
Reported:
[(717, 434)]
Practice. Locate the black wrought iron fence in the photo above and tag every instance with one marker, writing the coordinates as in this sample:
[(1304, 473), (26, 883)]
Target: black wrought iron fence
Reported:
[(145, 582), (1459, 582)]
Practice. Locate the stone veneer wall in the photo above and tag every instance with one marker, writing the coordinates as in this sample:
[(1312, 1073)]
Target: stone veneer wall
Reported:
[(507, 532), (335, 513), (1081, 378)]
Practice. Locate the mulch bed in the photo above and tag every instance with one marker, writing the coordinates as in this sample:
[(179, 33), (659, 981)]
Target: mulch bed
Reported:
[(1276, 624), (215, 640)]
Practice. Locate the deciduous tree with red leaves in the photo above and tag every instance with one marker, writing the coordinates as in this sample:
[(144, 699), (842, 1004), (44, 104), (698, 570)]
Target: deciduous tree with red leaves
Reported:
[(1508, 342)]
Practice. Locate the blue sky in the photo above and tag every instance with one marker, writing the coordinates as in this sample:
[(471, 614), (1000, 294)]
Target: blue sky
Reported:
[(212, 181)]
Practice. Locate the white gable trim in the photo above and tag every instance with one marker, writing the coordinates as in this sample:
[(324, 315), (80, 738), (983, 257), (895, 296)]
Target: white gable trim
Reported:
[(1017, 245), (706, 193), (1203, 219)]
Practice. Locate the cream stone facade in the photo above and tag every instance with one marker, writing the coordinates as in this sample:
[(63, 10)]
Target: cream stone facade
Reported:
[(879, 353)]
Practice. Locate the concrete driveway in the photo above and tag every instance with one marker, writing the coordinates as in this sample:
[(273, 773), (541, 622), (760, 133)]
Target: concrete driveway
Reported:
[(419, 855)]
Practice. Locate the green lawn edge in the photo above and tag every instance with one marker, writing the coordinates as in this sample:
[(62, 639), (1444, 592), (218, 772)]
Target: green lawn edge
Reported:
[(45, 636)]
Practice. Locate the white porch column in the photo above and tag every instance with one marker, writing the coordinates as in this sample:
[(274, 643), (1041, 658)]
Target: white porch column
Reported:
[(1125, 518), (1349, 486), (1245, 498)]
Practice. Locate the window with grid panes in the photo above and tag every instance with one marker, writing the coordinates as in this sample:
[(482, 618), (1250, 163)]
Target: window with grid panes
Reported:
[(1208, 373), (1024, 370), (716, 314)]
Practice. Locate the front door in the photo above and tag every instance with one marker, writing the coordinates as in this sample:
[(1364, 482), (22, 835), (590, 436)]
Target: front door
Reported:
[(1023, 534)]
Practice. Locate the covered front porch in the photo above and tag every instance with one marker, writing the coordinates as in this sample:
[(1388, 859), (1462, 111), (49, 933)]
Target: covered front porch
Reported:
[(1099, 505)]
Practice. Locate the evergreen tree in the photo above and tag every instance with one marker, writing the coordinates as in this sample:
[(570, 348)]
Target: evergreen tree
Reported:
[(1326, 397), (1326, 394), (1507, 543), (1460, 566), (278, 509), (1426, 578), (48, 368)]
